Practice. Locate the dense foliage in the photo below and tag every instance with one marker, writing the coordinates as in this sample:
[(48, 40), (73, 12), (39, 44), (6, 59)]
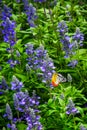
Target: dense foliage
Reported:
[(43, 65)]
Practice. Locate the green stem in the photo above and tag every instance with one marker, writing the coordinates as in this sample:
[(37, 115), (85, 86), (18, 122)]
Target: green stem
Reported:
[(74, 122), (54, 29), (18, 114)]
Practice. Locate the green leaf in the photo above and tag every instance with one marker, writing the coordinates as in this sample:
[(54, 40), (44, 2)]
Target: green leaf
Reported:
[(50, 101), (61, 101), (21, 126), (50, 112), (67, 70), (77, 119), (22, 77), (80, 110), (3, 128), (82, 51), (62, 115)]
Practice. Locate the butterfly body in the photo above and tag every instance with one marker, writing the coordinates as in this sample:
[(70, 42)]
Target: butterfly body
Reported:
[(57, 78)]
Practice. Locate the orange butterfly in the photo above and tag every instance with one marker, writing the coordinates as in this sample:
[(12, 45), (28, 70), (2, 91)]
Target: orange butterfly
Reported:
[(57, 78)]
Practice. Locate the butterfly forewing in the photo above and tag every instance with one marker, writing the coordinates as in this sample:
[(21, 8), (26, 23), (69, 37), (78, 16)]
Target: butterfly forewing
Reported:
[(61, 78), (55, 80)]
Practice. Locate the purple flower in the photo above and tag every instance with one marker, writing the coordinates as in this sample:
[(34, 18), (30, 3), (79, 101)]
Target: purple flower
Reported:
[(12, 126), (10, 50), (35, 99), (16, 102), (70, 109), (31, 15), (82, 128), (6, 12), (9, 112), (62, 28), (33, 120), (26, 4), (78, 36), (3, 86), (29, 48), (69, 44), (30, 11), (17, 53), (73, 63), (9, 125), (16, 84), (40, 54), (8, 31), (12, 62), (25, 101), (65, 39)]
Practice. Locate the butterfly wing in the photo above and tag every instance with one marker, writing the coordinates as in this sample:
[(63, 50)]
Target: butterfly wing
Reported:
[(61, 78), (55, 80)]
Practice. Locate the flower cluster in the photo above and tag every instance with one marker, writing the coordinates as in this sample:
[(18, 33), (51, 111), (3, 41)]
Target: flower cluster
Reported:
[(22, 101), (12, 62), (27, 107), (16, 84), (78, 37), (64, 38), (7, 25), (12, 126), (9, 115), (3, 85), (8, 31), (70, 44), (39, 61), (70, 109), (6, 12), (33, 120), (30, 11), (9, 112), (63, 28)]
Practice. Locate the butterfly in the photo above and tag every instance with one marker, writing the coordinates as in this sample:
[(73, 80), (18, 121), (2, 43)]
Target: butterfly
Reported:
[(57, 78)]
